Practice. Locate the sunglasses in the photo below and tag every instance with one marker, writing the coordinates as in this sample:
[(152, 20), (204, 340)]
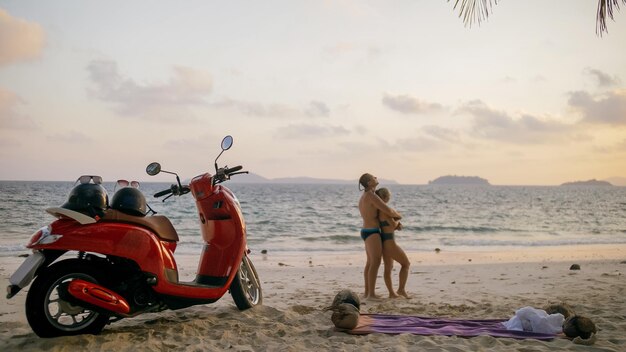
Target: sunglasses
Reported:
[(87, 178), (125, 183)]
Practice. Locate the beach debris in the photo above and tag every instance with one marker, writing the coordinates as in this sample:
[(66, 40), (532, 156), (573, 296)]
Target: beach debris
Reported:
[(574, 267), (283, 264), (437, 250), (264, 251), (614, 273), (345, 316), (580, 327), (623, 262), (562, 308)]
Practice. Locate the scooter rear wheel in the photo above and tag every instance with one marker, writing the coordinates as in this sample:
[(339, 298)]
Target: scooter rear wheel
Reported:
[(246, 286), (49, 315)]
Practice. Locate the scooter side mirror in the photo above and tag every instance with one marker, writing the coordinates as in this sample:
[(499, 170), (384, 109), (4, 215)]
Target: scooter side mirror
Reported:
[(153, 169), (227, 142)]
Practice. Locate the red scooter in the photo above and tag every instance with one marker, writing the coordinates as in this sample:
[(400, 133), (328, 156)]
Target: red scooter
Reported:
[(123, 263)]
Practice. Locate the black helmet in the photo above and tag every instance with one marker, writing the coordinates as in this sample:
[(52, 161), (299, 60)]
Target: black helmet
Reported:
[(129, 200), (88, 198)]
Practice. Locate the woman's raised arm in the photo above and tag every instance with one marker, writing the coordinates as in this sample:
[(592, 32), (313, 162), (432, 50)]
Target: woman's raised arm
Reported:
[(383, 207)]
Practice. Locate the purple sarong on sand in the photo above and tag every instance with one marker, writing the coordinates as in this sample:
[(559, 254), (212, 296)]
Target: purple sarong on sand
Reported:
[(406, 324)]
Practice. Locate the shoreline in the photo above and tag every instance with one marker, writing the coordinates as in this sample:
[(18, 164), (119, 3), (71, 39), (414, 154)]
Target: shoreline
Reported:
[(297, 288), (456, 257)]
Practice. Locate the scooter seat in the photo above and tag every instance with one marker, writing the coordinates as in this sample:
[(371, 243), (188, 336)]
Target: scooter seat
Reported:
[(159, 224)]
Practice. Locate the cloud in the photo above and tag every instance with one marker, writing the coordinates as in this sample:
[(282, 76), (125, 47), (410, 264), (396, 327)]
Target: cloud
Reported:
[(442, 133), (316, 109), (360, 129), (188, 87), (309, 131), (407, 104), (508, 79), (608, 108), (192, 143), (258, 109), (618, 147), (374, 51), (421, 143), (9, 117), (431, 138), (498, 125), (6, 143), (273, 110), (185, 144), (342, 49), (19, 39), (603, 79), (70, 137)]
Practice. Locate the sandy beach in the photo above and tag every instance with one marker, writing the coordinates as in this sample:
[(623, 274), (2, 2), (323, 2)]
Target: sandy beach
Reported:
[(469, 285)]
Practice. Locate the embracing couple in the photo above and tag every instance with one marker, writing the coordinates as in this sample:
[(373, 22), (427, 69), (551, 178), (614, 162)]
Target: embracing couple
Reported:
[(379, 223)]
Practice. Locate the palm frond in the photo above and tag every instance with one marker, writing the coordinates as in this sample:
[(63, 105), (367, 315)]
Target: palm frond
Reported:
[(605, 9), (474, 10)]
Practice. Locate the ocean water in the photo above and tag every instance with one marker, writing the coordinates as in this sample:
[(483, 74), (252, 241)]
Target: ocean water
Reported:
[(325, 218)]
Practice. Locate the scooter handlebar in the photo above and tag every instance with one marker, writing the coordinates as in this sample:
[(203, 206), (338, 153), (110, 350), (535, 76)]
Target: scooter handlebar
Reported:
[(175, 190), (162, 193), (222, 174), (233, 169)]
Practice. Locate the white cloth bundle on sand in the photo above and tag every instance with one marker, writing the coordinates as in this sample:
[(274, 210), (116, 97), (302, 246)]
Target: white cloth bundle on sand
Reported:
[(535, 320)]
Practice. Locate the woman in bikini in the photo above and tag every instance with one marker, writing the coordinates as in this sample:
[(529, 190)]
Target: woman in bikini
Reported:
[(391, 251), (370, 205)]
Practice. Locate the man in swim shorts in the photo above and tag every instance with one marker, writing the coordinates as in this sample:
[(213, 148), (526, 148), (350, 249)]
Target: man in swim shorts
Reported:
[(365, 233), (369, 206)]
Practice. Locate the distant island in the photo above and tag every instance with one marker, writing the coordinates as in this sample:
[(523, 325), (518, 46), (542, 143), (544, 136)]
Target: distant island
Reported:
[(459, 180), (616, 181), (593, 182)]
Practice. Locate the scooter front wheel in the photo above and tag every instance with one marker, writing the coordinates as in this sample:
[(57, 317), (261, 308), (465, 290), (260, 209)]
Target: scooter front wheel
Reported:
[(49, 315), (246, 286)]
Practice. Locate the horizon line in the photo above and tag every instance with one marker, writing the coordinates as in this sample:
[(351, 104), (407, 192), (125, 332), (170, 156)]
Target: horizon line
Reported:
[(347, 182)]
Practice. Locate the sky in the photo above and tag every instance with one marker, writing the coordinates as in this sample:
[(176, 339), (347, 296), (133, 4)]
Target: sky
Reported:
[(402, 89)]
